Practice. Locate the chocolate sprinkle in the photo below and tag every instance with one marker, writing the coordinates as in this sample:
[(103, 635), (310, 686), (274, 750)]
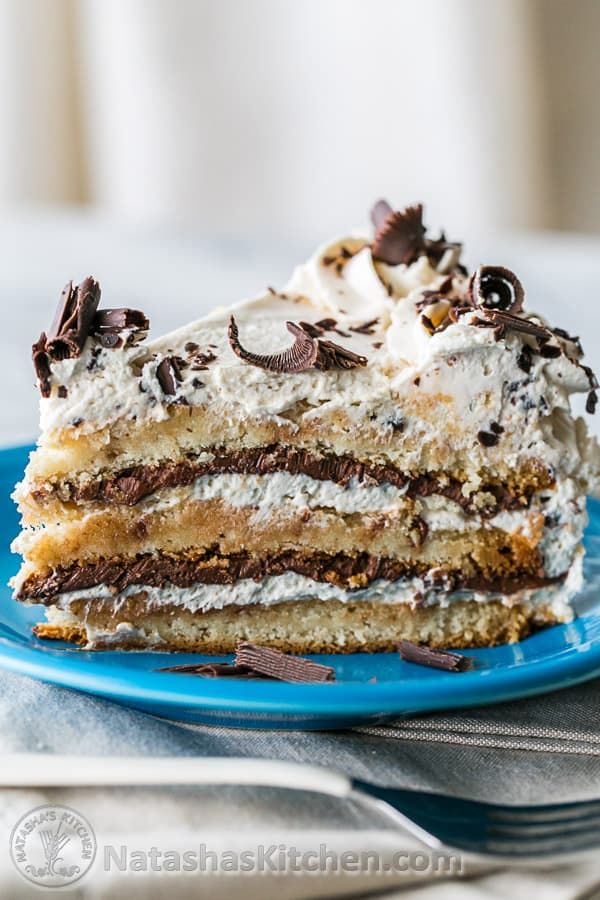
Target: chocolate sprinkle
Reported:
[(487, 438), (169, 375), (434, 659), (282, 666), (366, 327), (590, 403), (307, 352), (525, 359)]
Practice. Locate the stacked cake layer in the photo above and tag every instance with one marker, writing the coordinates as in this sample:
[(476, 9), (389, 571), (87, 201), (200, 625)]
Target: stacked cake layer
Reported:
[(383, 450)]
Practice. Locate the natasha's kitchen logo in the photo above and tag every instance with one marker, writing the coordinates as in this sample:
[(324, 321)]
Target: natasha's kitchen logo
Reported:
[(53, 846)]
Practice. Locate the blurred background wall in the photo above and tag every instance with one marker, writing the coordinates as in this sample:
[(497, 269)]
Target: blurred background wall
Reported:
[(294, 114)]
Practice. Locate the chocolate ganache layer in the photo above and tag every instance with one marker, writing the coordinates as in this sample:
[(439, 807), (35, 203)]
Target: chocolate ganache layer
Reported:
[(350, 572), (131, 485)]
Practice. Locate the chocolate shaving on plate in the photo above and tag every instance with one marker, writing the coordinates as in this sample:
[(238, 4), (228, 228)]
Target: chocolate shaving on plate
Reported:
[(307, 352), (281, 666), (216, 670), (434, 659), (169, 375), (68, 333)]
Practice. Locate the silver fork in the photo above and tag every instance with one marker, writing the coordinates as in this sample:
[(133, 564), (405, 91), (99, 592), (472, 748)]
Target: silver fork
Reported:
[(523, 833)]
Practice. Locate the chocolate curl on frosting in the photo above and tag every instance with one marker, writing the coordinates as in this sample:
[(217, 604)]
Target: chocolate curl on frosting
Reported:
[(496, 288), (68, 333), (109, 326), (401, 237), (307, 352), (72, 322)]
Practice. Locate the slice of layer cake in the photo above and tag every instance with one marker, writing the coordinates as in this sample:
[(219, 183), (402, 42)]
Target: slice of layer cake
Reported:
[(384, 450)]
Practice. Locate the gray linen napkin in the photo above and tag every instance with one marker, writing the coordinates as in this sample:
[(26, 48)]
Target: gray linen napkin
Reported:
[(539, 750)]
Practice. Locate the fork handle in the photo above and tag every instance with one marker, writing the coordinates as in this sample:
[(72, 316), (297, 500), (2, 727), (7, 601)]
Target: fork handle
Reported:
[(56, 770)]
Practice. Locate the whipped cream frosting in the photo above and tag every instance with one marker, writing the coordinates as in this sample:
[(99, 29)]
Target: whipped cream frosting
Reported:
[(378, 312)]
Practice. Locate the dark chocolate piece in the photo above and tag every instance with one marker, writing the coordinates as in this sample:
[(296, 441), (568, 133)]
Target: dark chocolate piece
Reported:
[(216, 670), (305, 353), (434, 659), (496, 288), (549, 351), (169, 374), (41, 364), (366, 327), (201, 361), (311, 329), (109, 325), (73, 320), (525, 358), (487, 438), (590, 403), (69, 330), (399, 236), (282, 666), (436, 249), (506, 320)]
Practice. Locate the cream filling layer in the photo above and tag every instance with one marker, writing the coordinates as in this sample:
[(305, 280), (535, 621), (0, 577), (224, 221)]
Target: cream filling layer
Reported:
[(555, 520), (275, 589), (281, 494)]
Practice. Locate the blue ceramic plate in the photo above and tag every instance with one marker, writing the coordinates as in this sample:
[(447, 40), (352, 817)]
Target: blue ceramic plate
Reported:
[(554, 658)]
